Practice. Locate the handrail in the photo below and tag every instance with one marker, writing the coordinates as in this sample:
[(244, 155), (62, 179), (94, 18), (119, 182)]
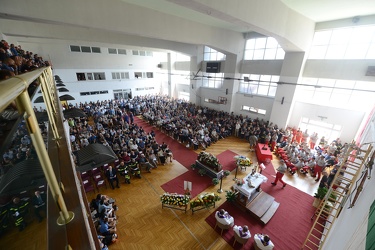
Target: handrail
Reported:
[(11, 88)]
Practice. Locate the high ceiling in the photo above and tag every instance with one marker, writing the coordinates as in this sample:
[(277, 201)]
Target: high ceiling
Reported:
[(316, 10)]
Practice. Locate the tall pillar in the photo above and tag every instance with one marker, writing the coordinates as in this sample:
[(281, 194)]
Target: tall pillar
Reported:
[(196, 82), (283, 102), (230, 84)]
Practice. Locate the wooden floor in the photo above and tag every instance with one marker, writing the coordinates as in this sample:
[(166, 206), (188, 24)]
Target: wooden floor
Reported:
[(143, 224)]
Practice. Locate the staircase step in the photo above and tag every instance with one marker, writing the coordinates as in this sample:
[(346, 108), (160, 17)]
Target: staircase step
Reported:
[(270, 212)]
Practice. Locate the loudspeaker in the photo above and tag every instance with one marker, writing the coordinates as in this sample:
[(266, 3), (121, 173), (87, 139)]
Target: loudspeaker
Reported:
[(226, 91), (282, 100)]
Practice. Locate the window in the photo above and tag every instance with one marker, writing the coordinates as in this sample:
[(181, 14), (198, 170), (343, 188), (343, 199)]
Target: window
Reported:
[(210, 54), (86, 49), (357, 42), (135, 52), (142, 53), (336, 93), (120, 75), (95, 50), (263, 48), (99, 76), (74, 48), (121, 51), (254, 110), (89, 76), (329, 131), (112, 51), (149, 53), (138, 75), (81, 76), (150, 75), (213, 80), (265, 85)]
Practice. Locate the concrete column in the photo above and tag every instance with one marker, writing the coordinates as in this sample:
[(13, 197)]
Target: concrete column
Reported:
[(283, 102)]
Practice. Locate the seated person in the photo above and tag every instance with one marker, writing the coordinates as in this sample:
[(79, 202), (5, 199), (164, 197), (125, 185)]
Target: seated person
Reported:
[(223, 217), (263, 242), (105, 227), (39, 204), (243, 232)]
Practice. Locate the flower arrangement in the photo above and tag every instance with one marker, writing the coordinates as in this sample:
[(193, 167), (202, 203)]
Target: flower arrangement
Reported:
[(209, 160), (240, 182), (204, 200), (174, 199), (202, 171), (243, 161)]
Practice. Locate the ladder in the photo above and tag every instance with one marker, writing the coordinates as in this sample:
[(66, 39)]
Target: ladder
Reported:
[(351, 165)]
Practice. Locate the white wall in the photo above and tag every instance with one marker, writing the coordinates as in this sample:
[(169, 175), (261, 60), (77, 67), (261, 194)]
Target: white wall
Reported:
[(350, 120), (253, 101)]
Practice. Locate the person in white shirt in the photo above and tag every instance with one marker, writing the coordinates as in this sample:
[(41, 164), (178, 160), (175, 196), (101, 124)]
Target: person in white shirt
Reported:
[(223, 217), (263, 242), (243, 232)]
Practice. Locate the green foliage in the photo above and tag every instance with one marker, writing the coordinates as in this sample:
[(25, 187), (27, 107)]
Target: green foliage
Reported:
[(231, 195), (226, 172), (321, 192), (202, 171), (215, 181), (193, 166)]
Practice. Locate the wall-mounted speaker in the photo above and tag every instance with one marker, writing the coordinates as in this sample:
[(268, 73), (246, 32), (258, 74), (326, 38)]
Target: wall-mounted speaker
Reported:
[(226, 91), (282, 100)]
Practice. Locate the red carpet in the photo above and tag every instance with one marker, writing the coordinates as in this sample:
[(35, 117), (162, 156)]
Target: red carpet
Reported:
[(227, 160), (200, 183), (288, 227), (182, 154)]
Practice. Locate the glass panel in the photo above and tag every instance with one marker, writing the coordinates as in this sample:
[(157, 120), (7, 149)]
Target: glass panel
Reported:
[(112, 51), (250, 44), (371, 52), (258, 54), (272, 43), (365, 85), (318, 52), (117, 75), (142, 53), (340, 36), (265, 78), (262, 90), (322, 37), (280, 54), (122, 51), (249, 54), (345, 84), (113, 75), (356, 51), (206, 57), (362, 35), (336, 52), (135, 52), (74, 48), (270, 54), (260, 43), (86, 49), (95, 49), (272, 91)]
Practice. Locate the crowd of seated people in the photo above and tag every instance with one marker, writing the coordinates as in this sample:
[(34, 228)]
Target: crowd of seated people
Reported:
[(17, 61), (112, 124), (103, 212), (301, 158)]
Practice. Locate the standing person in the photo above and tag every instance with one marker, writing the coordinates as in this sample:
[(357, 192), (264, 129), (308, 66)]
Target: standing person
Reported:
[(18, 210), (280, 173), (112, 176), (39, 205)]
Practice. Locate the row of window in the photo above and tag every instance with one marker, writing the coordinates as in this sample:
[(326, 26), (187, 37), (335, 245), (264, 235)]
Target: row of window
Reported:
[(145, 88), (115, 75), (259, 84), (264, 48), (88, 49)]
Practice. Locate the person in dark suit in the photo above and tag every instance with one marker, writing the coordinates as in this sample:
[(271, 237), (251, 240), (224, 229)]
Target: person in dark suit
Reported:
[(112, 176), (39, 203)]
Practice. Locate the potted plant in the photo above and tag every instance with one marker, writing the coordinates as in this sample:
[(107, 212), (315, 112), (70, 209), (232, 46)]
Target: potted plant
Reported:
[(202, 171), (226, 173), (231, 195), (193, 166), (319, 195), (215, 181)]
